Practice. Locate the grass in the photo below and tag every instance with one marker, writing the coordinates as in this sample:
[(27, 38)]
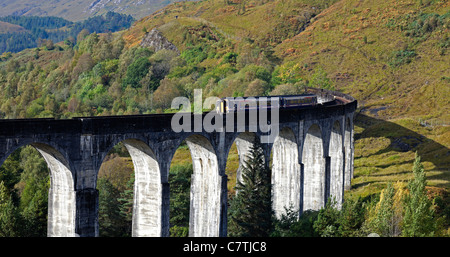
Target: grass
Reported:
[(385, 151)]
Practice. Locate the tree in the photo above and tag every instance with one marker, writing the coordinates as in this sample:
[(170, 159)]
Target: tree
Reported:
[(85, 63), (327, 220), (49, 45), (34, 207), (136, 71), (35, 181), (251, 209), (351, 217), (111, 222), (9, 215), (385, 219), (166, 92), (82, 35), (320, 80), (126, 204), (418, 212), (290, 225), (256, 88), (180, 183)]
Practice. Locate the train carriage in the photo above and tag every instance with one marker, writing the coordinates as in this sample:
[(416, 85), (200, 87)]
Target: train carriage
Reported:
[(230, 104)]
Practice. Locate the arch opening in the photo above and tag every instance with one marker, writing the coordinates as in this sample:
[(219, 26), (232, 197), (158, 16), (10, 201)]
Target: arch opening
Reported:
[(42, 176), (314, 170), (180, 174), (243, 143), (130, 191)]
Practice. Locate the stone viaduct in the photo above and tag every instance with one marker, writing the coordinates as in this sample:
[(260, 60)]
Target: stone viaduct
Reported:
[(312, 160)]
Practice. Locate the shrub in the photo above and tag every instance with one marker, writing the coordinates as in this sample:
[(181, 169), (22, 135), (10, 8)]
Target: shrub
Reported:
[(194, 55), (136, 71), (229, 58), (320, 80), (401, 57), (290, 225)]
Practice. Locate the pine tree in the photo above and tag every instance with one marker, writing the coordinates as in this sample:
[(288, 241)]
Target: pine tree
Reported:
[(251, 209), (418, 212), (34, 207), (9, 215), (327, 220), (351, 218), (126, 205), (112, 223), (180, 182)]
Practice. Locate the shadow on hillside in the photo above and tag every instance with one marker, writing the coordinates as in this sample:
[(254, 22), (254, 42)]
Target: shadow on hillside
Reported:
[(403, 140)]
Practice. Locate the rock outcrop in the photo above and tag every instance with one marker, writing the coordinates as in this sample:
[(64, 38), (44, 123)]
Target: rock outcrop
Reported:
[(154, 39)]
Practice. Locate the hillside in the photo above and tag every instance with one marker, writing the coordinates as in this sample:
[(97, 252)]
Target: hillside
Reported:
[(392, 56), (6, 27), (80, 10)]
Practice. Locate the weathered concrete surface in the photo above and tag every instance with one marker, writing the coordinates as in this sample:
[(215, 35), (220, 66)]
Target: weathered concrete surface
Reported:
[(336, 153), (61, 196), (348, 153), (147, 190), (312, 161), (286, 173), (314, 170), (204, 217)]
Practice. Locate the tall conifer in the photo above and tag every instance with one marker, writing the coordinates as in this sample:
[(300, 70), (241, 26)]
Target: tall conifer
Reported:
[(419, 215), (251, 208)]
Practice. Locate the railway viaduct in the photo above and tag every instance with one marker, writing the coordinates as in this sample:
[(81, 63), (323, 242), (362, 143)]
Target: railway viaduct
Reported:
[(312, 160)]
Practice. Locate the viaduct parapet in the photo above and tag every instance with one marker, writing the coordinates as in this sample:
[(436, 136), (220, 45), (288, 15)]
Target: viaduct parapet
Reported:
[(312, 160)]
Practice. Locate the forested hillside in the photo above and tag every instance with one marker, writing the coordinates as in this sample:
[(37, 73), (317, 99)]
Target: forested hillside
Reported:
[(392, 56), (21, 32)]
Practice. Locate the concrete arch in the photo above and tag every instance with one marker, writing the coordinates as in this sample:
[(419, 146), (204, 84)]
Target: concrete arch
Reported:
[(348, 151), (11, 145), (286, 173), (61, 196), (336, 164), (205, 216), (313, 170)]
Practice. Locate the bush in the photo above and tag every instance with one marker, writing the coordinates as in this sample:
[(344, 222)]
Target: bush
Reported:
[(136, 71), (194, 55), (229, 58), (290, 225), (320, 80), (401, 57)]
